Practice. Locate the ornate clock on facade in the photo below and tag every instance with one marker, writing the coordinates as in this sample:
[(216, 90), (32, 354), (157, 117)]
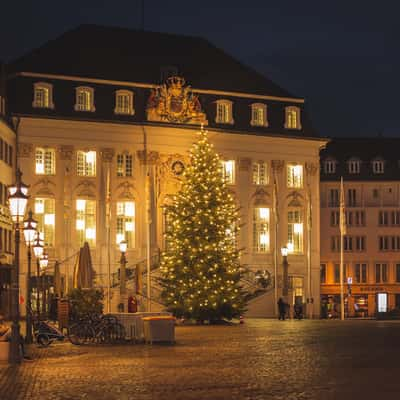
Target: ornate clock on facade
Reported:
[(178, 167)]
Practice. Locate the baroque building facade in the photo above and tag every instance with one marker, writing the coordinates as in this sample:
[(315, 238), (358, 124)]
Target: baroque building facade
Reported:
[(107, 117), (370, 168), (7, 163)]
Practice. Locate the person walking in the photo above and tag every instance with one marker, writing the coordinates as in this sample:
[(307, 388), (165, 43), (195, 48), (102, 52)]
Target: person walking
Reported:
[(281, 309)]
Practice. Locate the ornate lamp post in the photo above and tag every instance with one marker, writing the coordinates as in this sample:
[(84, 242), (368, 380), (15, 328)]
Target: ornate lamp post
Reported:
[(43, 262), (30, 226), (38, 251), (18, 199), (285, 264), (123, 245)]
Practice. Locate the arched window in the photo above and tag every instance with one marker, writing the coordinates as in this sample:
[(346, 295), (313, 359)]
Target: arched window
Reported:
[(224, 112), (84, 99), (259, 115), (295, 229), (292, 117), (42, 95), (261, 229), (45, 215), (124, 102)]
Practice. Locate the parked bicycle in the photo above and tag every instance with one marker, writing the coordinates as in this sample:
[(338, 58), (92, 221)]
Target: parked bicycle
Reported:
[(97, 329)]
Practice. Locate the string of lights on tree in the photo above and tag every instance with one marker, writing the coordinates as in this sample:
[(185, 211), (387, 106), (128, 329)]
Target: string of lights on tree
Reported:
[(200, 267)]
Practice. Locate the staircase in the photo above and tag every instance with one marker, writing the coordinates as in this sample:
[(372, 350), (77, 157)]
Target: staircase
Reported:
[(255, 284)]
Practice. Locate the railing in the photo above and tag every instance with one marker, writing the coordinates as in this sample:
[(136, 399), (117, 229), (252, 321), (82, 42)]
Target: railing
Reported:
[(131, 271)]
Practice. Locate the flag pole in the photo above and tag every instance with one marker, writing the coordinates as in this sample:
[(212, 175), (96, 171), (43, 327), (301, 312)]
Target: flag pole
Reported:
[(342, 233)]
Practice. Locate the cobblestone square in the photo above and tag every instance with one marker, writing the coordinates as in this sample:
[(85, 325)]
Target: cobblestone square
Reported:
[(261, 359)]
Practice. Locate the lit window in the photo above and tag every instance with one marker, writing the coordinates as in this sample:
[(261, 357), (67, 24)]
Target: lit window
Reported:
[(45, 161), (124, 164), (86, 221), (126, 222), (45, 215), (354, 166), (261, 230), (86, 163), (259, 115), (295, 231), (378, 166), (292, 118), (42, 95), (228, 171), (294, 176), (329, 166), (84, 99), (260, 173), (124, 102), (224, 112)]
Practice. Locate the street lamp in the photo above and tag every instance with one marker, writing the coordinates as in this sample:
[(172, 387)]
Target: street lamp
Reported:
[(285, 264), (43, 262), (30, 226), (38, 251), (18, 199), (123, 245)]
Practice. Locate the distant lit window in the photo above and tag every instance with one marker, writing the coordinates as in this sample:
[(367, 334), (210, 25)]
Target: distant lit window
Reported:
[(378, 166), (261, 225), (84, 99), (354, 166), (260, 173), (124, 102), (329, 166), (292, 118), (259, 115), (295, 231), (228, 171), (86, 221), (124, 164), (224, 112), (126, 222), (45, 163), (294, 176), (45, 215), (86, 163), (42, 95)]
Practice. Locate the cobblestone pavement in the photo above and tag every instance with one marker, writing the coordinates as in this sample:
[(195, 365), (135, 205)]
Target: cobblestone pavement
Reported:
[(261, 359)]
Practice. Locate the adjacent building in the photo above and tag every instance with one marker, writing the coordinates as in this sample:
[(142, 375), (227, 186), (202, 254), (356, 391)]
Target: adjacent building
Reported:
[(102, 108), (7, 163), (370, 169)]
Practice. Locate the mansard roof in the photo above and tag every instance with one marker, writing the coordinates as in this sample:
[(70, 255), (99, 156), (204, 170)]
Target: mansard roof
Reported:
[(366, 150), (112, 53)]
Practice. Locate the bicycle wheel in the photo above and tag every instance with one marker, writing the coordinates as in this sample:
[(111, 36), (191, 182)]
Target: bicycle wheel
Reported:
[(111, 333), (81, 334)]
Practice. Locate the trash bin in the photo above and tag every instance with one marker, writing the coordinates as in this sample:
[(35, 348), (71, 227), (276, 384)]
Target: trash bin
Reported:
[(159, 329)]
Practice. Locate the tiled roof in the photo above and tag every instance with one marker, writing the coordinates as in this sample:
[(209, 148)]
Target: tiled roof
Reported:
[(366, 150), (137, 56)]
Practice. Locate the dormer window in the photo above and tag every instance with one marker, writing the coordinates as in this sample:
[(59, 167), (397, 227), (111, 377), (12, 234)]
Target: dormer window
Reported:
[(224, 112), (329, 166), (259, 115), (292, 118), (42, 95), (354, 166), (84, 99), (124, 102), (378, 166)]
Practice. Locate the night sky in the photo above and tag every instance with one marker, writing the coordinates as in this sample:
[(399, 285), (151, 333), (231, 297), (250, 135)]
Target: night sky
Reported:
[(342, 56)]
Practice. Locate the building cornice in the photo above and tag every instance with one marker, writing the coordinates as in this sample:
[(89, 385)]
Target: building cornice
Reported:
[(152, 86)]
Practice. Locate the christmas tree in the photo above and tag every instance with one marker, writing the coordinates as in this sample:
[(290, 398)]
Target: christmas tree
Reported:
[(200, 268)]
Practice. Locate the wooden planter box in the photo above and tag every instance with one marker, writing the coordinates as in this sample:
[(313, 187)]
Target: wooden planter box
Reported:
[(159, 329)]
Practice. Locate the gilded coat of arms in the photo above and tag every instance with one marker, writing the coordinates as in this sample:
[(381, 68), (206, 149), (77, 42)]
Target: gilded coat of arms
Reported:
[(175, 102)]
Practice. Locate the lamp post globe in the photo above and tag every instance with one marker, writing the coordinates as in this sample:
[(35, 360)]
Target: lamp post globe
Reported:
[(17, 199), (30, 226), (123, 245)]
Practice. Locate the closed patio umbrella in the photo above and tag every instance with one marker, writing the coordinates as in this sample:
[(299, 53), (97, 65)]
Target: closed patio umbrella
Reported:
[(84, 273)]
